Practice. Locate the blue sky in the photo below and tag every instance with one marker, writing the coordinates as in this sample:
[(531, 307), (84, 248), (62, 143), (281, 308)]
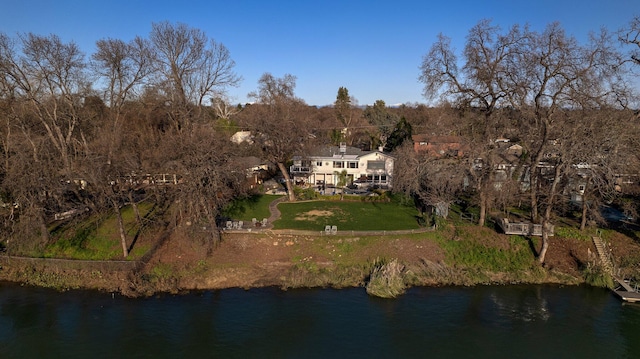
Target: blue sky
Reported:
[(373, 48)]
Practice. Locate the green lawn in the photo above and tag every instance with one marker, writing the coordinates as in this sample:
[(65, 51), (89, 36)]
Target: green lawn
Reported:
[(245, 209), (356, 216), (98, 238)]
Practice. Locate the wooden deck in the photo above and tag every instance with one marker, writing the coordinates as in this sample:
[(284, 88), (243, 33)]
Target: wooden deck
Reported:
[(631, 297), (522, 228)]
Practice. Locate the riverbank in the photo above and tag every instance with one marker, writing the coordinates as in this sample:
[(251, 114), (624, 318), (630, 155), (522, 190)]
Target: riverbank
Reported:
[(467, 255)]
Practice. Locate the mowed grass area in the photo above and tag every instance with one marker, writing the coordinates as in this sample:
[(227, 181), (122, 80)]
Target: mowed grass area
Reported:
[(352, 216), (256, 206)]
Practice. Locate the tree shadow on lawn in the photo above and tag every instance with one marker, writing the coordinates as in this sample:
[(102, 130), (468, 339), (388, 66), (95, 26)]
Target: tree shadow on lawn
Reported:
[(533, 246)]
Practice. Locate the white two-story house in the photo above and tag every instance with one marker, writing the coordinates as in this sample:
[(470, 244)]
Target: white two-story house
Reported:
[(364, 168)]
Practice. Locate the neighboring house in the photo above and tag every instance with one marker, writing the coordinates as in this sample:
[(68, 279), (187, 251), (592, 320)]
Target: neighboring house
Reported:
[(507, 165), (364, 168), (256, 170), (438, 146), (506, 161)]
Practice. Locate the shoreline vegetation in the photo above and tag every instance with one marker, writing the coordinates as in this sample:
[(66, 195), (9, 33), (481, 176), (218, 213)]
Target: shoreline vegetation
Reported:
[(384, 266), (164, 258)]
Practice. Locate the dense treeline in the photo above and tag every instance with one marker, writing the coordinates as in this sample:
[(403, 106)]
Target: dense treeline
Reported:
[(81, 133)]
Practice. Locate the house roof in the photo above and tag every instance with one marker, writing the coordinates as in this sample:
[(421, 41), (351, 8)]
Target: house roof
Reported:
[(330, 151)]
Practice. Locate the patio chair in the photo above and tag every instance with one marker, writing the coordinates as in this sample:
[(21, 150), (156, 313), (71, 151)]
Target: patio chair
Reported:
[(240, 224), (334, 229), (327, 229), (229, 224)]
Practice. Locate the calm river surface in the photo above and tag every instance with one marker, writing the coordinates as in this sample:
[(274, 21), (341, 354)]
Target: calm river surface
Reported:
[(452, 322)]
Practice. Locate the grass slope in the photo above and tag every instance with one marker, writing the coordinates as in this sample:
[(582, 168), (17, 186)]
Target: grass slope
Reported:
[(97, 238)]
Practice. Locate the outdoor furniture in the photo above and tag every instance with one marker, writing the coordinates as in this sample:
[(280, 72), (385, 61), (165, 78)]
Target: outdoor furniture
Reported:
[(327, 229), (334, 229), (229, 224), (240, 224), (264, 221)]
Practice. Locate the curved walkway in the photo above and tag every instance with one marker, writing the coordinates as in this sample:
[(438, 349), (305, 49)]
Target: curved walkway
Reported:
[(274, 211)]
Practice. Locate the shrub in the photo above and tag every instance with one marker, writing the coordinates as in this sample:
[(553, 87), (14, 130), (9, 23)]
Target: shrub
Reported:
[(305, 194), (386, 280), (596, 276)]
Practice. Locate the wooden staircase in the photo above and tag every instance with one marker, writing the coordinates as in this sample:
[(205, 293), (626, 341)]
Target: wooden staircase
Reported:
[(604, 255), (629, 293)]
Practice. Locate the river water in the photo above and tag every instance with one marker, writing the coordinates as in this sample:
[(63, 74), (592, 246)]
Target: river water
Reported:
[(451, 322)]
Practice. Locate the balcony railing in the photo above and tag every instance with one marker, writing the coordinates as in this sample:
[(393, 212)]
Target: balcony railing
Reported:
[(300, 169)]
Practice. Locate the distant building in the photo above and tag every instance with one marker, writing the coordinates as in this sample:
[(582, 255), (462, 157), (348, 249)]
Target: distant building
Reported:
[(438, 146), (255, 169)]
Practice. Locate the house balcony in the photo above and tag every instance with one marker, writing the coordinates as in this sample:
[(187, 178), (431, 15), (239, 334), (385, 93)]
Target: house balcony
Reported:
[(300, 169)]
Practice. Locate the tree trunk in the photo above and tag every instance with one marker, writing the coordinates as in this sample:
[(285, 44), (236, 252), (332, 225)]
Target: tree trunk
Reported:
[(44, 231), (545, 243), (216, 238), (547, 212), (583, 221), (483, 208), (534, 200), (123, 234), (136, 210), (287, 181)]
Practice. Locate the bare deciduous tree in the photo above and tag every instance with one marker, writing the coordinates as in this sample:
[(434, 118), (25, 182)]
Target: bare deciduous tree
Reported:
[(280, 123), (481, 86), (51, 75), (191, 68), (124, 67), (209, 179), (432, 182), (630, 35)]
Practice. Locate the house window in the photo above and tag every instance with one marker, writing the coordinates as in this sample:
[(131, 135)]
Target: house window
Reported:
[(380, 179), (319, 163), (352, 164), (375, 165), (338, 164)]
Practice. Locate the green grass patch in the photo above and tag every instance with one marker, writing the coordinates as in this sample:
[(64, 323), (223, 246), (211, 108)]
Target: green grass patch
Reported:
[(474, 255), (574, 233), (97, 237), (356, 216), (245, 209)]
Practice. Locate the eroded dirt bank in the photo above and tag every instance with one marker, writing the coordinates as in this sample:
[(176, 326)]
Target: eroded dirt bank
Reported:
[(250, 260)]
